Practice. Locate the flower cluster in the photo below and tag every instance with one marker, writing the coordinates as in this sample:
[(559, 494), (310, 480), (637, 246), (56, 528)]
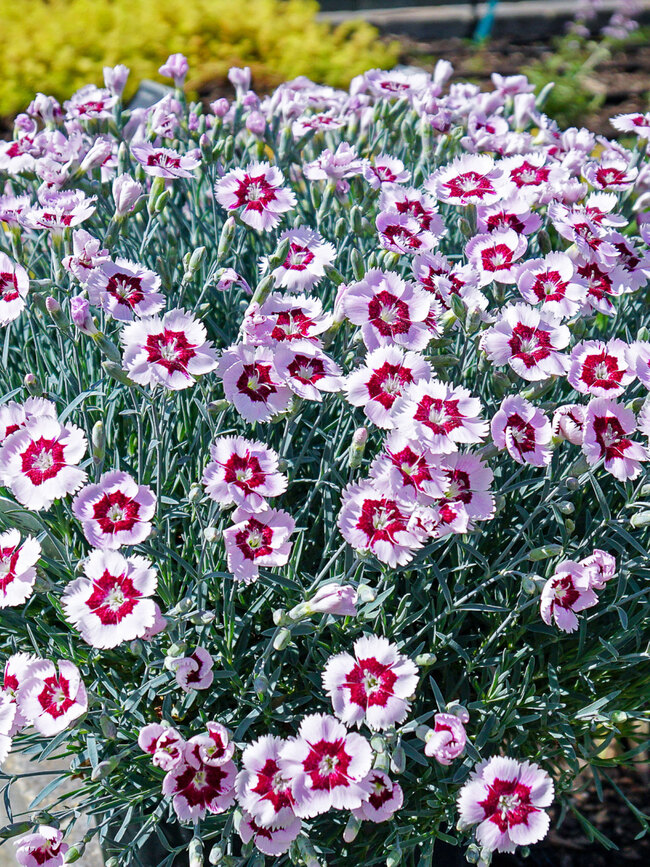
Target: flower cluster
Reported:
[(311, 403)]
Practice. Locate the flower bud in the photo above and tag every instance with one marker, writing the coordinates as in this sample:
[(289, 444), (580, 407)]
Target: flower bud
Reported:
[(104, 769), (282, 638), (394, 856), (74, 853), (398, 760), (261, 685), (193, 263), (108, 727), (194, 494), (424, 660), (14, 829), (226, 237), (357, 447), (211, 534), (115, 78), (640, 519), (366, 593), (107, 347), (216, 854), (126, 192), (155, 193), (176, 67), (571, 483), (545, 552), (116, 372), (569, 525), (32, 384), (136, 647), (80, 315), (351, 829), (98, 439), (195, 852), (544, 241), (256, 123), (472, 854), (566, 507), (97, 155)]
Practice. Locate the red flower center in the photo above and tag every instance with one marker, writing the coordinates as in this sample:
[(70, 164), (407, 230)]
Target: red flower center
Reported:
[(115, 512), (125, 288), (380, 520), (42, 460), (8, 286), (254, 540), (529, 344), (507, 804), (171, 349), (255, 382), (389, 314), (440, 416), (370, 683), (113, 598), (327, 764)]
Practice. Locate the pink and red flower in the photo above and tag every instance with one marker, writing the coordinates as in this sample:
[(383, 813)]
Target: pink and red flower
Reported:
[(495, 255), (471, 179), (43, 848), (271, 841), (170, 351), (566, 592), (193, 671), (382, 379), (372, 521), (307, 258), (447, 739), (14, 286), (256, 192), (551, 282), (607, 430), (327, 766), (17, 567), (116, 511), (165, 162), (506, 799), (38, 461), (384, 798), (257, 540), (198, 788), (262, 788), (125, 289), (523, 430), (389, 310), (243, 472), (373, 686), (251, 382), (110, 603), (164, 744), (529, 341), (52, 700), (599, 368)]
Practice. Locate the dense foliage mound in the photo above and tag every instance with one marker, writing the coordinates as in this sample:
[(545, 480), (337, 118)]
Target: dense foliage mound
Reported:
[(323, 431)]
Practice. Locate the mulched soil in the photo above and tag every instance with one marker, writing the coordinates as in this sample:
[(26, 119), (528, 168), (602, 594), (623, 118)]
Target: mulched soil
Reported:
[(624, 78)]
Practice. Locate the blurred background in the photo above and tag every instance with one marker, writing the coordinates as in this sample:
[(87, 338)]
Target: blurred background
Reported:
[(596, 51)]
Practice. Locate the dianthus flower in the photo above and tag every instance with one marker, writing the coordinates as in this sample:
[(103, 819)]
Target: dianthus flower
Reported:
[(165, 162), (193, 671), (271, 841), (470, 179), (408, 469), (412, 202), (607, 430), (551, 282), (370, 520), (198, 788), (87, 254), (389, 310), (14, 286), (447, 739), (511, 213), (251, 382), (335, 165), (38, 461), (42, 848), (115, 512), (243, 472), (636, 123), (91, 103), (59, 211), (262, 790), (52, 700), (373, 686), (308, 374), (507, 800), (466, 485), (599, 368), (568, 422), (442, 279), (495, 255), (256, 192), (164, 744), (384, 169), (384, 798), (528, 340), (307, 258), (257, 540), (382, 379), (293, 320), (440, 415), (17, 567), (125, 289), (110, 603), (19, 667), (600, 567), (403, 234), (567, 591), (170, 351), (523, 430), (326, 766)]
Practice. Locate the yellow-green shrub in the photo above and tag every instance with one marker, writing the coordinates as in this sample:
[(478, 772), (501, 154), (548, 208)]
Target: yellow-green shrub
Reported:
[(55, 46)]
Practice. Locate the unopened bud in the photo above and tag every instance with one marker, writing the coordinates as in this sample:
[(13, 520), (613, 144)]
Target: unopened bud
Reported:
[(32, 384), (357, 448), (74, 853), (217, 406), (282, 639), (545, 552), (216, 854), (640, 519), (98, 439), (116, 372), (394, 856), (107, 347), (544, 241), (108, 727), (192, 262), (14, 829), (261, 685), (211, 534), (566, 507), (351, 829), (104, 769), (195, 493), (136, 647), (424, 660), (572, 484), (619, 716), (472, 854), (195, 852), (280, 256), (569, 525), (366, 593), (226, 237), (398, 760), (156, 191)]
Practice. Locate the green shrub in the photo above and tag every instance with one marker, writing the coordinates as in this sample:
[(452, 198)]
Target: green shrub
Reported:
[(55, 46)]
